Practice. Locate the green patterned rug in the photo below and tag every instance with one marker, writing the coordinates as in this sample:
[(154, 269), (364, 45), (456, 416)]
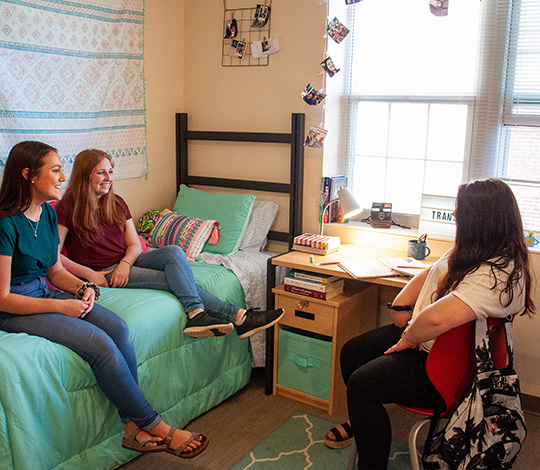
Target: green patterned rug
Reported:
[(299, 444)]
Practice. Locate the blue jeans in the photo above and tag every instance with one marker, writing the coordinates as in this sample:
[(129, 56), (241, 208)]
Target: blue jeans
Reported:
[(101, 339), (168, 269)]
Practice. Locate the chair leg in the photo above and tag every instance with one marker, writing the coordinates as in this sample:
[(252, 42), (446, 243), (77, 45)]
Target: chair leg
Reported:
[(353, 453), (413, 435)]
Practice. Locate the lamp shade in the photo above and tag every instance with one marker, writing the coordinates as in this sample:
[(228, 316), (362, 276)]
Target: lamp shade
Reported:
[(349, 205)]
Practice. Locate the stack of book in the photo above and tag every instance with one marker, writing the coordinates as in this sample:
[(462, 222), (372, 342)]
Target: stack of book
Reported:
[(318, 286), (316, 244)]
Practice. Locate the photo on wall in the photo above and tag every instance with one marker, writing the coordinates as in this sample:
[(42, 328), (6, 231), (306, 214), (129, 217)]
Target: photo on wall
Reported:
[(238, 49), (260, 49), (329, 66), (315, 137), (262, 14), (231, 29), (336, 30), (312, 96)]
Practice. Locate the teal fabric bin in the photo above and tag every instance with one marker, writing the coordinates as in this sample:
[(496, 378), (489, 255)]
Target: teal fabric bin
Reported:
[(304, 362)]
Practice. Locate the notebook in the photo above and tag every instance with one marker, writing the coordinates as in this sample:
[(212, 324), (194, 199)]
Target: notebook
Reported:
[(366, 269)]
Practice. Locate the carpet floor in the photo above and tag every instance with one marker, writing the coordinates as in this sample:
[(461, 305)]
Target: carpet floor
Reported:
[(299, 444), (242, 422)]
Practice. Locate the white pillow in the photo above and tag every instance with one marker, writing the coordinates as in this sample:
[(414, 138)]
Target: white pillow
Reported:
[(262, 218)]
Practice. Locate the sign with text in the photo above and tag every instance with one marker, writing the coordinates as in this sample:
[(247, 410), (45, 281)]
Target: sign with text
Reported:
[(436, 216)]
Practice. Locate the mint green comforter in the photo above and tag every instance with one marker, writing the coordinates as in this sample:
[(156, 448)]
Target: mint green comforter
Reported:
[(52, 413)]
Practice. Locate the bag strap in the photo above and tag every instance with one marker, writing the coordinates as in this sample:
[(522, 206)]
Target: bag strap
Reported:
[(483, 351)]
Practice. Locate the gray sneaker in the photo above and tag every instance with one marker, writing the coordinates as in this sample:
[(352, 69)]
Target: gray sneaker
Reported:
[(203, 325), (257, 321)]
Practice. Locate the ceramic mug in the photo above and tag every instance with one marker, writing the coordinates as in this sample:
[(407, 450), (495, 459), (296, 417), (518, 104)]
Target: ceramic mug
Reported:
[(418, 250), (531, 241)]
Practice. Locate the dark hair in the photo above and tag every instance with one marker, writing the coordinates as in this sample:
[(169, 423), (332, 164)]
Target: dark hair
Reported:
[(489, 230), (16, 190)]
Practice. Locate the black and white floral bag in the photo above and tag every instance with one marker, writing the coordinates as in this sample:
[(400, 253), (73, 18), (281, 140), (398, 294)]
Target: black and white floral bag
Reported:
[(488, 427)]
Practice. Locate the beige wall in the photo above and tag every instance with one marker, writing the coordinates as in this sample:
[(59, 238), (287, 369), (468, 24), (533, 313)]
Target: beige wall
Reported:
[(256, 98), (164, 73), (184, 73)]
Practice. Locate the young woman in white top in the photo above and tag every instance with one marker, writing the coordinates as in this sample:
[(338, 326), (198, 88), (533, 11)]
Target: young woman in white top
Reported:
[(485, 274)]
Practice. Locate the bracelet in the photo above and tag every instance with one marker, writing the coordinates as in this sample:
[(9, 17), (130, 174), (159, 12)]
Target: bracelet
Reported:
[(124, 261), (86, 285), (399, 308)]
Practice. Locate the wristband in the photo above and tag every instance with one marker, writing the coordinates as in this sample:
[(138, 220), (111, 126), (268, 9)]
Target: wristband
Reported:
[(85, 285), (124, 261), (399, 308)]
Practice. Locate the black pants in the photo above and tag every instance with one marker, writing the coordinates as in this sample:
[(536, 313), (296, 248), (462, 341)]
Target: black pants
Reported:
[(374, 379)]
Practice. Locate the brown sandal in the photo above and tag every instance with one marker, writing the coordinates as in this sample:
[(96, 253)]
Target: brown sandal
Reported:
[(340, 442), (146, 446), (179, 451)]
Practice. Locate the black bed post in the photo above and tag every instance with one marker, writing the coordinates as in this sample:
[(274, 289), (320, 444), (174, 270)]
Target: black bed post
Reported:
[(297, 175), (181, 149)]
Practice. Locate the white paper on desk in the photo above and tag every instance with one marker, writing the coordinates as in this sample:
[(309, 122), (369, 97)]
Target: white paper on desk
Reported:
[(366, 269), (397, 265)]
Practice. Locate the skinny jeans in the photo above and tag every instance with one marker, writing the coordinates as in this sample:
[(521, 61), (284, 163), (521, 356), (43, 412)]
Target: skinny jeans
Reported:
[(374, 379), (168, 269), (101, 338)]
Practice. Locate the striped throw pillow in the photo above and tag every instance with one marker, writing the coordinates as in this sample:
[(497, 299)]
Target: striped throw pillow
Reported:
[(190, 233)]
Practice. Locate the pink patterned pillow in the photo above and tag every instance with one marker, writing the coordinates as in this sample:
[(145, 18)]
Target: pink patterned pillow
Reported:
[(189, 233)]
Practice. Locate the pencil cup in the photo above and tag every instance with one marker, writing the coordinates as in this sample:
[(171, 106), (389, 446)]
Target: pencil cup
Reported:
[(418, 250)]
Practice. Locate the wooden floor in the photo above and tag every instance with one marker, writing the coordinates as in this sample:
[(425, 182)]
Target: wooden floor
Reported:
[(245, 419)]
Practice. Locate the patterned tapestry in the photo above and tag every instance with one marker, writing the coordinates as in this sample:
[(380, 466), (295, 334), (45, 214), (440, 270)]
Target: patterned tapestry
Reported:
[(71, 75)]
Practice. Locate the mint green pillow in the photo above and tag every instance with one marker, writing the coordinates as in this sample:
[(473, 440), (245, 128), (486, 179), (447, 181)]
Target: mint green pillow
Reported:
[(232, 211)]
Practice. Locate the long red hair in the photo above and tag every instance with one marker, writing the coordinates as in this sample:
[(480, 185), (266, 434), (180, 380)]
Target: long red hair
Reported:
[(88, 211)]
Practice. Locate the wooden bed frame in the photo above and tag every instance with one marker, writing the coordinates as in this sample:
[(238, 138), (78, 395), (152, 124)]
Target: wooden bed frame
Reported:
[(295, 187)]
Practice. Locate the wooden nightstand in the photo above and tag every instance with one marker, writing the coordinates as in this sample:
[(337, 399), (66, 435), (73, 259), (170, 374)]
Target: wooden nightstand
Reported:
[(313, 333)]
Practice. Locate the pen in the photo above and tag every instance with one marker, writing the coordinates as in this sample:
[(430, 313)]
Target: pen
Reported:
[(326, 264), (412, 267)]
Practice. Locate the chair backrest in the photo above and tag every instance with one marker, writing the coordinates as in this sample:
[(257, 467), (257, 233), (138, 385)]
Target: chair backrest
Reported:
[(451, 362)]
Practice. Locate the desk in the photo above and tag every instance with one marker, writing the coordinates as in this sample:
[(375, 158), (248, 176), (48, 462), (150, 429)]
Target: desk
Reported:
[(347, 315)]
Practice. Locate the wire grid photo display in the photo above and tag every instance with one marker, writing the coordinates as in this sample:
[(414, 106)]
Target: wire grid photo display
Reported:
[(245, 33)]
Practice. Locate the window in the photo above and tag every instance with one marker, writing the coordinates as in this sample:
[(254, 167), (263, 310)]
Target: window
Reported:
[(428, 102), (519, 149)]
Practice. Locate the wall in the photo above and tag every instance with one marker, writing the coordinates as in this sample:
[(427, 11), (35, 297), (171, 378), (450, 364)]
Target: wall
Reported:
[(164, 71), (184, 73), (256, 98)]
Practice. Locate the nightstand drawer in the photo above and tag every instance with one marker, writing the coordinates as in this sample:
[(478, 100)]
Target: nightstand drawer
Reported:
[(306, 314)]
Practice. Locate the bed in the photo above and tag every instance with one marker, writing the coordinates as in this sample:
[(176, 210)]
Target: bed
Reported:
[(53, 415)]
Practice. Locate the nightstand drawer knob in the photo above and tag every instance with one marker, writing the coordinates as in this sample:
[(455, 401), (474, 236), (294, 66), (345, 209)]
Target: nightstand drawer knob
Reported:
[(302, 304)]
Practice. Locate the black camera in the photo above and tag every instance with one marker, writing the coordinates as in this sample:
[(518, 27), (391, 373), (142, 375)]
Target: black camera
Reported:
[(381, 214)]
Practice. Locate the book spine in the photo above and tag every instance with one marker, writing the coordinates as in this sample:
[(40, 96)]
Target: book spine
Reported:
[(313, 285), (325, 197), (312, 293), (337, 182), (315, 251), (311, 277), (302, 291)]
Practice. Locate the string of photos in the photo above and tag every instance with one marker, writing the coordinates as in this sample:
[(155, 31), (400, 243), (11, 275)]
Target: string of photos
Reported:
[(337, 31), (246, 36)]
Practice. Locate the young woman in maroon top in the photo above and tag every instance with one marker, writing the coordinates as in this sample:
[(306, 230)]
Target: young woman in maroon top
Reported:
[(97, 230)]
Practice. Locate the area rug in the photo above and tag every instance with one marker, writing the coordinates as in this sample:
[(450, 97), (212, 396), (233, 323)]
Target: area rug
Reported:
[(299, 444)]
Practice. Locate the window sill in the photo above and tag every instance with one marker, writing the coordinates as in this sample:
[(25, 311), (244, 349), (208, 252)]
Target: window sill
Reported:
[(393, 238)]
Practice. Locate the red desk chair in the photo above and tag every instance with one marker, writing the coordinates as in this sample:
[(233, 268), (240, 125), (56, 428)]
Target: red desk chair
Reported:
[(451, 367)]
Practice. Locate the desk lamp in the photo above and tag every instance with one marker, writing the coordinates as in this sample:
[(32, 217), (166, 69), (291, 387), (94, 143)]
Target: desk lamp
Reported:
[(349, 206)]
